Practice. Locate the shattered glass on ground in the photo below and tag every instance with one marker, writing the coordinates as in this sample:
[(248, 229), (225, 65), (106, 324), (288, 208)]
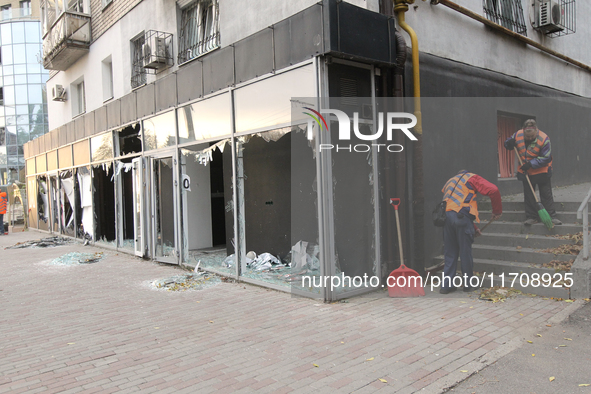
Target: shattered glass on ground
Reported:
[(49, 242), (77, 258), (192, 281)]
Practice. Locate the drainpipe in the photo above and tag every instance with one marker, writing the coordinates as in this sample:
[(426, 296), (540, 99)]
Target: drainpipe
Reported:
[(416, 191)]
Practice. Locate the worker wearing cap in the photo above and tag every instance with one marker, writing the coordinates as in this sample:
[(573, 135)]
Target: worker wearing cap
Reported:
[(459, 229), (3, 204), (533, 146)]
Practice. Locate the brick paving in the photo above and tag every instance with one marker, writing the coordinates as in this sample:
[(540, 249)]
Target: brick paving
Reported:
[(101, 328)]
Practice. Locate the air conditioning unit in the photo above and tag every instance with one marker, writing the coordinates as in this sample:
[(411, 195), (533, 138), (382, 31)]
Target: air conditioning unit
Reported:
[(551, 16), (155, 53), (58, 93)]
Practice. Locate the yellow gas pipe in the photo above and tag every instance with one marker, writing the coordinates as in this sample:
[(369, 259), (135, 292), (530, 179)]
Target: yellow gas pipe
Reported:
[(400, 7)]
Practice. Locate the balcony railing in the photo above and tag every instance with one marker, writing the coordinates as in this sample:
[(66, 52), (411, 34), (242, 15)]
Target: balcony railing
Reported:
[(15, 13), (67, 40)]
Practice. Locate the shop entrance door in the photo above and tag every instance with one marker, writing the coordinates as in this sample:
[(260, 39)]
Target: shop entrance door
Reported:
[(164, 197), (54, 194), (138, 206)]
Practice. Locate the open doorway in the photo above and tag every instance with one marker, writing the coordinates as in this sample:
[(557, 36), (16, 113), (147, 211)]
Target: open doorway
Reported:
[(103, 190)]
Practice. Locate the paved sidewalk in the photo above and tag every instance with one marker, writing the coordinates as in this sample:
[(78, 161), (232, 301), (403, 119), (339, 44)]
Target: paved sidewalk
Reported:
[(101, 328)]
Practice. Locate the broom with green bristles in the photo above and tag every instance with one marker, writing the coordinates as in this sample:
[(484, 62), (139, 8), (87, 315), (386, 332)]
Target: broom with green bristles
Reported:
[(542, 213)]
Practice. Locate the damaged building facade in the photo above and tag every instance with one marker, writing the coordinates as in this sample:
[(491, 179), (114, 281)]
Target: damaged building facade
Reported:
[(182, 132)]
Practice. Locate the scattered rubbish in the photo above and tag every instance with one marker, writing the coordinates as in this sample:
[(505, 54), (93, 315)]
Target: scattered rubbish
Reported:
[(558, 265), (565, 249), (498, 294), (49, 242), (77, 258), (192, 281)]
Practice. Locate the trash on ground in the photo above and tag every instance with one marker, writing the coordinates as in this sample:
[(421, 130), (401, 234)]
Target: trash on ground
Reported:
[(49, 242), (498, 294), (558, 265), (77, 258), (565, 249), (192, 281)]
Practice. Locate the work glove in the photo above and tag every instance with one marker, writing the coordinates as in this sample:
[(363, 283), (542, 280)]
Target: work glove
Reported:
[(511, 144), (526, 166)]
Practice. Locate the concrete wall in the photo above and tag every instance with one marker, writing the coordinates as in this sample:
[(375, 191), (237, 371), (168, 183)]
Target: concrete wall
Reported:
[(446, 33)]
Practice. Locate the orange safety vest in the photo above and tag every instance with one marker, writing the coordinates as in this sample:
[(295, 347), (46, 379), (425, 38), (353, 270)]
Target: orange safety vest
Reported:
[(3, 202), (528, 153), (462, 196)]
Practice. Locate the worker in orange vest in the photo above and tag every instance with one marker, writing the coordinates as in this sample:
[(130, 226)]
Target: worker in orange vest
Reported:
[(533, 145), (459, 229), (3, 204)]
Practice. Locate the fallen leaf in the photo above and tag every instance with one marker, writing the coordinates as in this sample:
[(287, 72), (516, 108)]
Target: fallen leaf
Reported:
[(529, 342), (561, 345), (548, 325), (383, 380), (342, 342), (568, 339), (551, 378), (539, 335), (369, 359), (197, 302), (568, 301), (71, 343), (527, 236), (316, 365), (519, 248), (211, 321), (521, 314), (156, 328), (533, 355), (584, 385), (464, 370), (586, 299)]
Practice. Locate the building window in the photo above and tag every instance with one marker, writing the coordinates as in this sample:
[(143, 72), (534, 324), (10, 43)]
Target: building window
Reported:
[(6, 11), (138, 72), (507, 13), (199, 29), (107, 79), (106, 3), (25, 7), (78, 98)]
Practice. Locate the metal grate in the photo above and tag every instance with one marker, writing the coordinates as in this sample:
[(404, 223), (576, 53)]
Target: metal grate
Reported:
[(507, 13), (555, 18), (138, 72), (199, 30)]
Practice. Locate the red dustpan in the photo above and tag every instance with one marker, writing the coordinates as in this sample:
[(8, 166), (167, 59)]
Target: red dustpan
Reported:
[(403, 282)]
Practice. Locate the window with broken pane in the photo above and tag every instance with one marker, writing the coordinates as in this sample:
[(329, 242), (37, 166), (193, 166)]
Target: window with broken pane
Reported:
[(199, 32), (43, 202), (206, 119), (207, 208), (68, 204), (103, 195), (101, 147)]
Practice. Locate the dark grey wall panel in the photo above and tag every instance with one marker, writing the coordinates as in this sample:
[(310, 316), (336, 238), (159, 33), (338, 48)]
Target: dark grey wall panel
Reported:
[(218, 70), (114, 114), (299, 37), (166, 92), (79, 126), (63, 136), (89, 124), (146, 105), (128, 108), (254, 55), (100, 119), (189, 81)]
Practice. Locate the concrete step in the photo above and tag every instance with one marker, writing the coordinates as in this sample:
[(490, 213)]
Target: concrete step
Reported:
[(501, 226), (512, 254), (519, 216), (519, 206), (523, 240), (509, 269)]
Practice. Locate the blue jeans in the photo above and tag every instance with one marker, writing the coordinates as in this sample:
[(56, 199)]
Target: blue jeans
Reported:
[(458, 236), (1, 224)]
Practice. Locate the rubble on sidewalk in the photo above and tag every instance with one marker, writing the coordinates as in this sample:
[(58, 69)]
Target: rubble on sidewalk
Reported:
[(49, 242), (192, 281), (77, 258)]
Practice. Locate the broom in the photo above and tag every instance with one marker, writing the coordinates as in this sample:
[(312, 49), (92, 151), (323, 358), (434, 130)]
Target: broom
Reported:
[(542, 213), (412, 284)]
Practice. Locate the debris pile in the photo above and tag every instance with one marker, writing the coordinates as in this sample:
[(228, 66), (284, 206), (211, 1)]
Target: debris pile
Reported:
[(193, 281), (49, 242), (498, 294), (558, 265), (77, 258)]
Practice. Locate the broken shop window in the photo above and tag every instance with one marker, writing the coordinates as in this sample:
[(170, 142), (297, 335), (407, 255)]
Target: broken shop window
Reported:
[(128, 140), (125, 212), (101, 147), (84, 212), (54, 191), (43, 202), (103, 191), (67, 203), (159, 131)]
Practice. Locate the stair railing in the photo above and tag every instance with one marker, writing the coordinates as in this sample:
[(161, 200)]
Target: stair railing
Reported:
[(583, 212)]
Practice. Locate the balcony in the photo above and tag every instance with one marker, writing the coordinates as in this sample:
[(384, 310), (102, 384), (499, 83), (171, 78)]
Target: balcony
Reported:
[(66, 41)]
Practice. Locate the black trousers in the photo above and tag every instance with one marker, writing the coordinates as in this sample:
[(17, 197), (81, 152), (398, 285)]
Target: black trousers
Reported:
[(542, 181)]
